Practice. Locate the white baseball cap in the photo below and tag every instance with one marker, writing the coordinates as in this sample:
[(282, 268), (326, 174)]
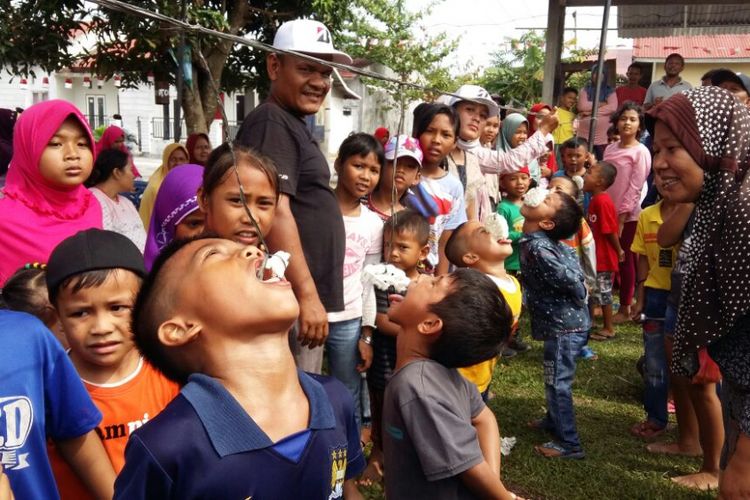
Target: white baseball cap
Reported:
[(477, 94), (407, 147), (310, 37)]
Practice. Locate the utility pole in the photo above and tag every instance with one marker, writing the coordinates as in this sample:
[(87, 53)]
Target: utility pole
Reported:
[(180, 77)]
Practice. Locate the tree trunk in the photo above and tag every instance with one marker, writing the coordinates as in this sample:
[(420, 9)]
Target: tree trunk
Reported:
[(199, 103)]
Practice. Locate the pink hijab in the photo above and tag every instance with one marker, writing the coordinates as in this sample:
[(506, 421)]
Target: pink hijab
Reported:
[(35, 215)]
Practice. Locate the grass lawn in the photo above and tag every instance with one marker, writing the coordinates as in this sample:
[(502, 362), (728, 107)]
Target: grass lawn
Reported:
[(607, 402)]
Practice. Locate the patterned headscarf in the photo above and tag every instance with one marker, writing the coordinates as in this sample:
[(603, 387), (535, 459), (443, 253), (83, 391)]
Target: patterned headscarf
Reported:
[(714, 128)]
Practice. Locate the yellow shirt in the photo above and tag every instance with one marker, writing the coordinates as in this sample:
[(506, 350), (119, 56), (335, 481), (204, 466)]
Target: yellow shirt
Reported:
[(565, 130), (481, 373), (660, 260)]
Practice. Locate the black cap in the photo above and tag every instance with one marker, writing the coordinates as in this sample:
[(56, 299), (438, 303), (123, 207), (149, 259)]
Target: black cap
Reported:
[(727, 75), (91, 250)]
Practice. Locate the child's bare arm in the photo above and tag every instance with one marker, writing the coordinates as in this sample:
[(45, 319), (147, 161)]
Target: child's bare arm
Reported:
[(386, 326), (670, 232), (488, 435), (86, 456), (641, 274), (484, 482), (5, 491), (615, 242)]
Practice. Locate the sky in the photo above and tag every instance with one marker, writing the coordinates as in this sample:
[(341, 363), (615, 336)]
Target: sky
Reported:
[(482, 26)]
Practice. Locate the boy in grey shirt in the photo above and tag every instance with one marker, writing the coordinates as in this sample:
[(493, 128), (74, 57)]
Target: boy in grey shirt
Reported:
[(440, 440)]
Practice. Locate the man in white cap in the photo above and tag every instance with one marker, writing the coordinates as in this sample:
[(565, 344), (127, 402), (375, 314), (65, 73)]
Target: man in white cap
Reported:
[(308, 222)]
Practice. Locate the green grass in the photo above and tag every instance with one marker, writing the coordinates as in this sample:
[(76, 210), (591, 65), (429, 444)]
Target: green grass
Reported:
[(607, 395)]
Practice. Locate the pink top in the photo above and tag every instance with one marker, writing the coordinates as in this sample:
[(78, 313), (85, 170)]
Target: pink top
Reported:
[(35, 214), (633, 165), (602, 123)]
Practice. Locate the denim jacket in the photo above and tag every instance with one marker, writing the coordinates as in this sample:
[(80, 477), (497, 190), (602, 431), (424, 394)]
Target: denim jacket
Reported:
[(555, 290)]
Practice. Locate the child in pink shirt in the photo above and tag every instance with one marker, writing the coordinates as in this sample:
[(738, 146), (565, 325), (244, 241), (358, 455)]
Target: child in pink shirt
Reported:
[(633, 163)]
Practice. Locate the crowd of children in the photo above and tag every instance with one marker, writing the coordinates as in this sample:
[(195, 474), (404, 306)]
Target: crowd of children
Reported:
[(159, 363)]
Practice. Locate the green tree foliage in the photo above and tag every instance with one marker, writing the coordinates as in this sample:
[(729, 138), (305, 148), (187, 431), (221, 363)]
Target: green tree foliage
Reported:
[(39, 32), (517, 71)]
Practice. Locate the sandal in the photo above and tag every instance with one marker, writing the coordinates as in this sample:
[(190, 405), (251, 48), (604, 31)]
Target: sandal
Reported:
[(600, 337), (647, 430), (555, 450)]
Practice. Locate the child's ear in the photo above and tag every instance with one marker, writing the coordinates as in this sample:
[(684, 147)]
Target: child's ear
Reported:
[(202, 199), (416, 178), (470, 259), (547, 224), (337, 166), (431, 325), (424, 252), (177, 332)]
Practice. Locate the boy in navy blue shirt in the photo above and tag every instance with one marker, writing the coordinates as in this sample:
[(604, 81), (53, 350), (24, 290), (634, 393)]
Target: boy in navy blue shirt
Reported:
[(247, 423), (439, 438), (556, 298)]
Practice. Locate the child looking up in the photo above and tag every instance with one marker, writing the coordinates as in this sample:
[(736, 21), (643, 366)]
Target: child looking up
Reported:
[(257, 425), (112, 175), (556, 298), (441, 440), (653, 283), (514, 186), (45, 200), (436, 129), (383, 201), (472, 245), (603, 221), (92, 279), (582, 242), (26, 291), (405, 246), (358, 166), (176, 212), (633, 163), (43, 398), (219, 196)]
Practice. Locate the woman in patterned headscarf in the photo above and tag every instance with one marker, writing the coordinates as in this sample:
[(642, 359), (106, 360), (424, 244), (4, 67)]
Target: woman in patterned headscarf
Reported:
[(701, 148)]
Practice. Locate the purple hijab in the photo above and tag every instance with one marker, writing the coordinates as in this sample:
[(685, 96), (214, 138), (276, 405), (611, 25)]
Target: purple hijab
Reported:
[(176, 200)]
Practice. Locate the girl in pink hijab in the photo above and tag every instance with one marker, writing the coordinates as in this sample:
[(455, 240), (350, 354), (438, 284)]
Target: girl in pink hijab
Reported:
[(114, 138), (45, 200)]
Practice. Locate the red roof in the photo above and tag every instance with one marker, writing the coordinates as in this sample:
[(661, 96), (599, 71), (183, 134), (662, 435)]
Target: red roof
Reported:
[(693, 47)]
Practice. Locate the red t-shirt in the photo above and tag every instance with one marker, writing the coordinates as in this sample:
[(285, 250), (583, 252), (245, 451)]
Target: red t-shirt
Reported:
[(625, 93), (603, 220)]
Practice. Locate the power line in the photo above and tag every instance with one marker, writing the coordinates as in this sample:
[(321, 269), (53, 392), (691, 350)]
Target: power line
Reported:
[(198, 29)]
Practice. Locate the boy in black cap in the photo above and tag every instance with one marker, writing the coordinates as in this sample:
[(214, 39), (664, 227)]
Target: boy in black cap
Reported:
[(93, 278)]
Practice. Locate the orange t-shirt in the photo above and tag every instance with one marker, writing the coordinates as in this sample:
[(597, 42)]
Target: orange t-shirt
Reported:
[(125, 407)]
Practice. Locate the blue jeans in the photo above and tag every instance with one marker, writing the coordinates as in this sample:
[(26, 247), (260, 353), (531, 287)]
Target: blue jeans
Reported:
[(655, 373), (559, 371), (343, 358)]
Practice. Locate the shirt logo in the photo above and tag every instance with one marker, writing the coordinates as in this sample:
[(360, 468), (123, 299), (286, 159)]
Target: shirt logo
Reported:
[(338, 472), (16, 419)]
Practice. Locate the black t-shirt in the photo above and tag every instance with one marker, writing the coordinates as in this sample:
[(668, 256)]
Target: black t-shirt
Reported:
[(303, 176)]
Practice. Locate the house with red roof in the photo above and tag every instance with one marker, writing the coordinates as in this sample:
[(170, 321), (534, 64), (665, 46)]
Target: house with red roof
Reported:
[(702, 53)]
